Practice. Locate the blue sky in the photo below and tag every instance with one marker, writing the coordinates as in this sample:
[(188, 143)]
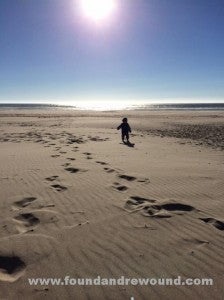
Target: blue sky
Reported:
[(149, 50)]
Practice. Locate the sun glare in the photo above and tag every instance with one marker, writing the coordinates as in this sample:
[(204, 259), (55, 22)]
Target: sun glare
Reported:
[(98, 10)]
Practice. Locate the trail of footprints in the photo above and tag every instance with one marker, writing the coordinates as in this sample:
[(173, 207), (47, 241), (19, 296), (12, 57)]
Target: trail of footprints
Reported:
[(117, 185), (67, 165), (12, 267), (48, 139), (149, 207)]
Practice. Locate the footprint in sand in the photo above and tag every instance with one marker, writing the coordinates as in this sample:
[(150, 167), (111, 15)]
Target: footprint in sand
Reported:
[(74, 170), (109, 170), (75, 140), (70, 158), (101, 163), (26, 220), (59, 187), (52, 178), (55, 155), (127, 177), (132, 178), (11, 268), (17, 251), (88, 155), (165, 210), (216, 223), (136, 202), (121, 188), (24, 202)]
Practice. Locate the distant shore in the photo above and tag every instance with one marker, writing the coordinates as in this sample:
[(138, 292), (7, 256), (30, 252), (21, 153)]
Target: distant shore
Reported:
[(108, 106)]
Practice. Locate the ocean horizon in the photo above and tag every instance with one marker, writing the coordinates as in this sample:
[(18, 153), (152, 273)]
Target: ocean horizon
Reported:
[(115, 106)]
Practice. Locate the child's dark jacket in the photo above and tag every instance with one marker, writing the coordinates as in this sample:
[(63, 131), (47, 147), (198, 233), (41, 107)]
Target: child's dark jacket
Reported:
[(125, 128)]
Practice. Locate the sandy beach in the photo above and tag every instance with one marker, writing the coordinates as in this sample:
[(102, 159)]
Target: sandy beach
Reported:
[(77, 202)]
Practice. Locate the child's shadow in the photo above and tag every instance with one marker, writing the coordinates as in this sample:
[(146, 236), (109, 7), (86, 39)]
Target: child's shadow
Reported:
[(129, 144)]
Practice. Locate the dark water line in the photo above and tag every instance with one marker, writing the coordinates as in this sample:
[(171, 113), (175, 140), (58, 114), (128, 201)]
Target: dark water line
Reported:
[(145, 107)]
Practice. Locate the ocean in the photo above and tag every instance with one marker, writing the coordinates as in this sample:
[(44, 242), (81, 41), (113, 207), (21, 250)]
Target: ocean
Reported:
[(105, 106)]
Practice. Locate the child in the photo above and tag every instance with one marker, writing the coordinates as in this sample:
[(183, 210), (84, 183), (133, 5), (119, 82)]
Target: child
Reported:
[(125, 129)]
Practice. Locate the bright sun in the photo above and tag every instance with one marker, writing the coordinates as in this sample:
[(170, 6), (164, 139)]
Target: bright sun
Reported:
[(98, 10)]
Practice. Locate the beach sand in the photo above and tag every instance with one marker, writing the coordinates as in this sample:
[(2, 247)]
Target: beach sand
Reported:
[(77, 202)]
